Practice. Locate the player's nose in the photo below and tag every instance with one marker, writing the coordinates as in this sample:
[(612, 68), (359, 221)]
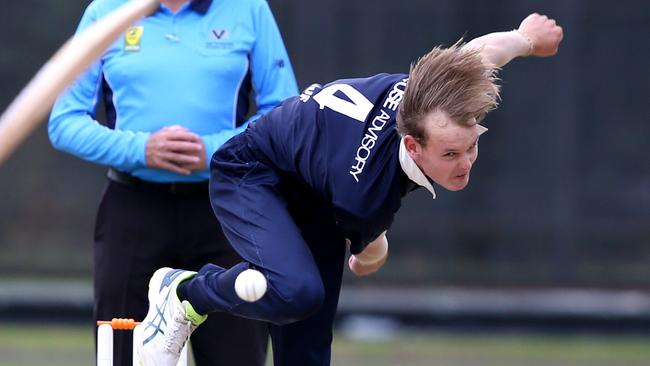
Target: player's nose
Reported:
[(466, 163)]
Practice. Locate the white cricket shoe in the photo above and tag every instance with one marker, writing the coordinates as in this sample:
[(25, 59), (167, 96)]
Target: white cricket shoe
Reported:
[(169, 323)]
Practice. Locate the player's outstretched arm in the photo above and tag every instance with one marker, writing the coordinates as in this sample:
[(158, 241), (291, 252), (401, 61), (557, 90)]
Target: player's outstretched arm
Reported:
[(537, 35)]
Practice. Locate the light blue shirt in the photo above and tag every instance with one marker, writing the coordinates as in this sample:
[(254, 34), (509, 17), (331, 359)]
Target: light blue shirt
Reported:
[(195, 68)]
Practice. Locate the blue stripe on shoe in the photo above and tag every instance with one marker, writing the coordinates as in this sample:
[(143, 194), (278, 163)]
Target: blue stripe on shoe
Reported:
[(159, 320), (170, 277)]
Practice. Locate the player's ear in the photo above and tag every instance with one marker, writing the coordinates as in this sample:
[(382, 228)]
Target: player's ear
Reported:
[(413, 148)]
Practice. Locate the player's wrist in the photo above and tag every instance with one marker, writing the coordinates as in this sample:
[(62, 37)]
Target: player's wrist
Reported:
[(527, 43)]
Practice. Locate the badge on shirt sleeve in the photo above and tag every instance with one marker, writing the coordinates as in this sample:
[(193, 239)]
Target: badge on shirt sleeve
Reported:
[(132, 38)]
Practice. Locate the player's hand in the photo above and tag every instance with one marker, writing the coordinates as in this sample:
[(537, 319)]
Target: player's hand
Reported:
[(361, 269), (174, 148), (544, 34)]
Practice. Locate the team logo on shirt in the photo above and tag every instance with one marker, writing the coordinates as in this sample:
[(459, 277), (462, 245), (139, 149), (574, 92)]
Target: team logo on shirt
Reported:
[(219, 38), (132, 38)]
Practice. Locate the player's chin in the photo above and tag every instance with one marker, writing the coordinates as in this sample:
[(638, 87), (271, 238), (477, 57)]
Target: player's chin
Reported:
[(458, 183)]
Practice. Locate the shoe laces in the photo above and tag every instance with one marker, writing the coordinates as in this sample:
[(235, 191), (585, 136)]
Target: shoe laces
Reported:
[(178, 333)]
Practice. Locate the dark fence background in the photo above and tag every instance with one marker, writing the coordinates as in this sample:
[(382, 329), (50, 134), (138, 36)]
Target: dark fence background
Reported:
[(560, 195)]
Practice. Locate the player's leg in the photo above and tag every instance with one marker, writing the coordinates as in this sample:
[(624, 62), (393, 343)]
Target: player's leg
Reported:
[(223, 339), (129, 246), (290, 346), (308, 342), (256, 221)]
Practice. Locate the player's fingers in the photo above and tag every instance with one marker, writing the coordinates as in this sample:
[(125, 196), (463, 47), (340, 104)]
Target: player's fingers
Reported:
[(352, 264), (359, 269), (539, 18)]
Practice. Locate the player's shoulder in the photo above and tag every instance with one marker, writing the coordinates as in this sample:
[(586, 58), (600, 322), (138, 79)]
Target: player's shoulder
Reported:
[(382, 78), (360, 93), (376, 82), (372, 88)]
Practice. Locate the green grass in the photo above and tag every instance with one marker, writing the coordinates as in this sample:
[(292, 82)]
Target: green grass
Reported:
[(28, 345), (495, 349)]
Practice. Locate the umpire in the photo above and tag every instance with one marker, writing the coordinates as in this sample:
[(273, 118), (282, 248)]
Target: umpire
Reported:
[(175, 88)]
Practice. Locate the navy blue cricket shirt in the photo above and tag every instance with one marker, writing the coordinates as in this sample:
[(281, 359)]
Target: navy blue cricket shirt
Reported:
[(341, 140)]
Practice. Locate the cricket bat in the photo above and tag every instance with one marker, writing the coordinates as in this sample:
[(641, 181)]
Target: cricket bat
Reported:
[(34, 102)]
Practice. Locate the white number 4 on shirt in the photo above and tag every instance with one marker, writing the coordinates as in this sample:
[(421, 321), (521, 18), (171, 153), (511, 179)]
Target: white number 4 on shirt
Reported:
[(358, 108)]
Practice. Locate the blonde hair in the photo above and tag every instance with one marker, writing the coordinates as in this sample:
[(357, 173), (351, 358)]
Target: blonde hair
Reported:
[(451, 80)]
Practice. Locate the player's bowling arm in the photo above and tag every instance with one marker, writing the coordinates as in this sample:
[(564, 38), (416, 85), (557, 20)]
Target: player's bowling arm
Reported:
[(537, 35), (499, 48)]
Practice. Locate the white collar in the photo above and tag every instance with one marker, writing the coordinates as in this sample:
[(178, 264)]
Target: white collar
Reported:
[(412, 170)]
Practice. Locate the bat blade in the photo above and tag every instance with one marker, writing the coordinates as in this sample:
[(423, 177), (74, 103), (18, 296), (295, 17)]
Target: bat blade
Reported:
[(32, 104)]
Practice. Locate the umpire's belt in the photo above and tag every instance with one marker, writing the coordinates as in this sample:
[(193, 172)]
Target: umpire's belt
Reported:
[(176, 188)]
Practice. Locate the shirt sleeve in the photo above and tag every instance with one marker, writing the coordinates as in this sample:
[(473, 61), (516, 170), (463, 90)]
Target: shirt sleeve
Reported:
[(356, 232), (273, 77), (272, 74), (73, 127)]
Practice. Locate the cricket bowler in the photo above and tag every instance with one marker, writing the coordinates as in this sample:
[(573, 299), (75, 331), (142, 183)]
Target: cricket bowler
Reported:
[(326, 171)]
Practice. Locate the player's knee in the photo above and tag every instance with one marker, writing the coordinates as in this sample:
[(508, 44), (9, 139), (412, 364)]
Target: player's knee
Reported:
[(303, 297)]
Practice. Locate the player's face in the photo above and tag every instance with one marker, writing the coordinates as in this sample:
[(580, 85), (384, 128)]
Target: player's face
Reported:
[(450, 151)]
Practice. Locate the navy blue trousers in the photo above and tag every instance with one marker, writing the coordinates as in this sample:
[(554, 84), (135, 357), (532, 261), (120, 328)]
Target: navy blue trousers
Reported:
[(284, 231), (139, 231)]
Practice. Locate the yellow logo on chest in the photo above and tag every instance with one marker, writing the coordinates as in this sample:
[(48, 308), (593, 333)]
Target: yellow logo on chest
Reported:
[(132, 38)]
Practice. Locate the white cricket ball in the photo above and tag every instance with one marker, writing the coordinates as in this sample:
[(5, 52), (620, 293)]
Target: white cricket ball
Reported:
[(250, 285)]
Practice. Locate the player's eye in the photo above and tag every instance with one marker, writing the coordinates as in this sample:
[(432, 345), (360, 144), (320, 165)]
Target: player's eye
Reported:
[(450, 154)]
